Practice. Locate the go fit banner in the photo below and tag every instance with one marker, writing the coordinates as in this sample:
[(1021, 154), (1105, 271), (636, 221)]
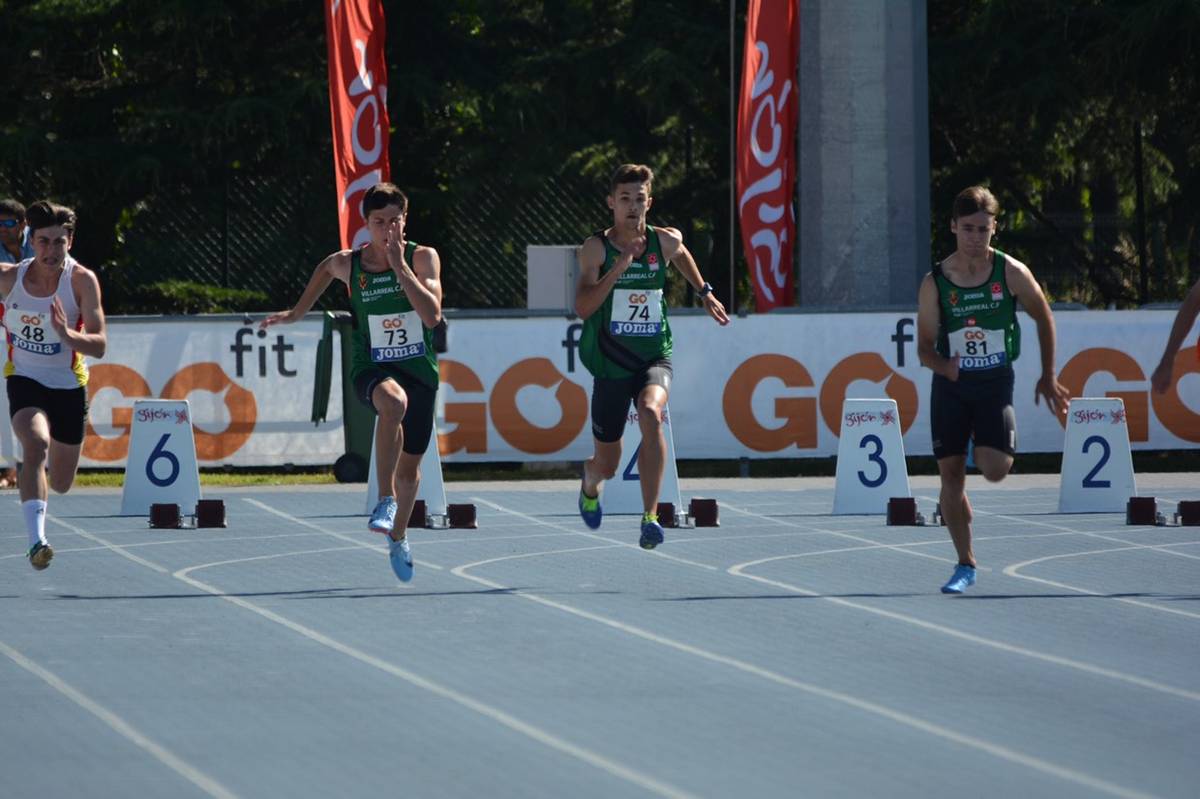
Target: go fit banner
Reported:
[(250, 391), (772, 386), (766, 143), (358, 105)]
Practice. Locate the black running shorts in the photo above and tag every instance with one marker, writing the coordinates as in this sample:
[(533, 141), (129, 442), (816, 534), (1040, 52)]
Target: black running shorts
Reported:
[(975, 407), (418, 416), (611, 397), (65, 408)]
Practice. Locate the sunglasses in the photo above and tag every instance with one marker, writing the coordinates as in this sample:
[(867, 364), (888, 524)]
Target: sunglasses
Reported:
[(9, 222)]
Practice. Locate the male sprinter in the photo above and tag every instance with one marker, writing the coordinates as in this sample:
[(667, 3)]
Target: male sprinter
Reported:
[(54, 318), (967, 333), (396, 296), (626, 340)]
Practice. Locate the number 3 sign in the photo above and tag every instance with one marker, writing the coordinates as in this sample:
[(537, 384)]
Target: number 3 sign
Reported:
[(870, 463)]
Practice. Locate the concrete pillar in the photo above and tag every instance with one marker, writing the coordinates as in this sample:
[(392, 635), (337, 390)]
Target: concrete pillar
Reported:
[(863, 182)]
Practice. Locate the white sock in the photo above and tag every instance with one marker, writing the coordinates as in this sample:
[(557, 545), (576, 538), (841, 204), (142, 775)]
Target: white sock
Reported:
[(35, 520)]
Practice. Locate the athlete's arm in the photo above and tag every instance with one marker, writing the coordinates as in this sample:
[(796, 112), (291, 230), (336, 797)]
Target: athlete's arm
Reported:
[(592, 290), (421, 280), (1029, 294), (928, 316), (422, 284), (675, 251), (92, 341), (1183, 323), (335, 266), (8, 277)]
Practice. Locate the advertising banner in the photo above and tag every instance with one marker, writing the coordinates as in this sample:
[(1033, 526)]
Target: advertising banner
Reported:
[(766, 147)]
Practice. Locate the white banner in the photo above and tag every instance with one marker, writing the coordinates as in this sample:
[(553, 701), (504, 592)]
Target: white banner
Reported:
[(766, 386), (250, 391), (772, 385)]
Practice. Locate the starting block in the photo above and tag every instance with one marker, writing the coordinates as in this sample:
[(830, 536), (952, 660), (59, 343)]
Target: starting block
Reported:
[(210, 513), (163, 514), (419, 516), (871, 469), (704, 513), (1097, 465), (1143, 510), (461, 516), (1188, 513), (903, 511), (667, 515)]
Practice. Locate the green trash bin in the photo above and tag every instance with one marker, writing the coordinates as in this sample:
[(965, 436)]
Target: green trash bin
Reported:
[(358, 428)]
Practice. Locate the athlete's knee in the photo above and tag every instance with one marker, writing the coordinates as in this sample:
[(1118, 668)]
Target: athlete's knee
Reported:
[(34, 450), (60, 484), (391, 407), (994, 473), (650, 413), (603, 468)]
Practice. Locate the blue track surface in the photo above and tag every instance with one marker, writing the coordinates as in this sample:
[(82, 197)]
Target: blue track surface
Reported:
[(787, 653)]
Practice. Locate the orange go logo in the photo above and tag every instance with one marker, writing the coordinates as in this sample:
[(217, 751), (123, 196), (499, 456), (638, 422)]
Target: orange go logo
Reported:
[(26, 319), (638, 299), (394, 322), (974, 335)]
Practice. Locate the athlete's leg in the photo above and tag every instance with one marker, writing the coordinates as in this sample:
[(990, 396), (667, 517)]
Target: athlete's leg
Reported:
[(408, 480), (32, 429), (601, 466), (62, 464), (391, 403), (651, 404), (994, 464), (956, 508)]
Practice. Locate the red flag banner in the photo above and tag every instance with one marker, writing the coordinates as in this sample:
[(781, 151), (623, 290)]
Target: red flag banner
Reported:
[(358, 105), (766, 154)]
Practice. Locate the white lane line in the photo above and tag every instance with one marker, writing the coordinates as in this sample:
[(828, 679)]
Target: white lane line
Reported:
[(655, 553), (64, 550), (513, 723), (867, 706), (840, 534), (1014, 569), (348, 538), (1078, 665), (120, 726)]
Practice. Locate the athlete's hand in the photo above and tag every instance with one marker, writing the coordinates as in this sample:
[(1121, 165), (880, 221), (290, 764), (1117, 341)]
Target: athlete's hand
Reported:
[(394, 247), (951, 372), (58, 318), (281, 318), (628, 253), (1056, 394), (1160, 381), (715, 309)]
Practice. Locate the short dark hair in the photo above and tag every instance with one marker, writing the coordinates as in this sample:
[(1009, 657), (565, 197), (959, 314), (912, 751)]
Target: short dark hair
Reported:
[(44, 213), (11, 207), (630, 173), (381, 195), (974, 199)]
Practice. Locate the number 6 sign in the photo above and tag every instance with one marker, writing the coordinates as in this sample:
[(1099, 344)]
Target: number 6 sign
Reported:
[(870, 463), (161, 468)]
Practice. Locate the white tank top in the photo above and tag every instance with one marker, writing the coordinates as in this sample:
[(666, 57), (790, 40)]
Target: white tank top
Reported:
[(34, 349)]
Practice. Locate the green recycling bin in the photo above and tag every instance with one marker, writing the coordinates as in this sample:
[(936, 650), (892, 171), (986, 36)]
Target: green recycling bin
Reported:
[(358, 426)]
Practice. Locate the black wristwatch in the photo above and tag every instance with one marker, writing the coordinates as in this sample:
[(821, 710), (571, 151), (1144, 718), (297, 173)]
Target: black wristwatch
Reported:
[(704, 290)]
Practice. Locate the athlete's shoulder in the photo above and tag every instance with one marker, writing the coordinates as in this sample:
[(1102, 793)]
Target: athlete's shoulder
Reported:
[(592, 249)]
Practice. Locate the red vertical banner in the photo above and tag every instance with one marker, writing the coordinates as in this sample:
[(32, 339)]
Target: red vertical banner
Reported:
[(766, 151), (358, 105)]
